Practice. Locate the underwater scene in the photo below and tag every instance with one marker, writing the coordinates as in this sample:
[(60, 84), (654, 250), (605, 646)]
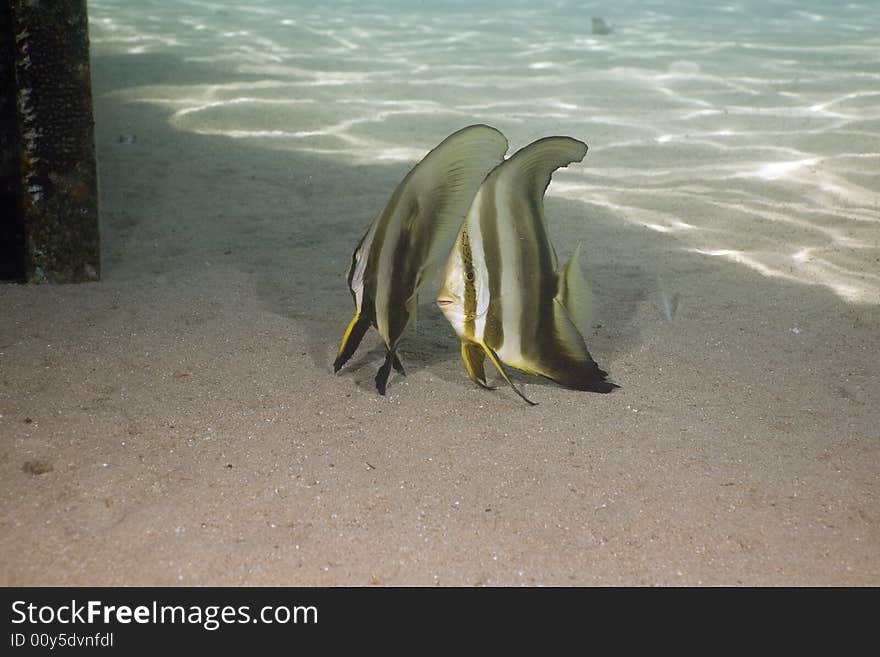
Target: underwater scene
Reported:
[(461, 293)]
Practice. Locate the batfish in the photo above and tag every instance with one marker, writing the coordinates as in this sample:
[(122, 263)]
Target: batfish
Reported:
[(503, 291), (405, 245)]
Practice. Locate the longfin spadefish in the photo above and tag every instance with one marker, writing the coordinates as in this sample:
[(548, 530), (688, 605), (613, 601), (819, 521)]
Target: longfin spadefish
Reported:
[(504, 273), (401, 250), (575, 294)]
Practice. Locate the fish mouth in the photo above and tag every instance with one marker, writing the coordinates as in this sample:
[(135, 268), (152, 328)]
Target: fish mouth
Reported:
[(444, 302)]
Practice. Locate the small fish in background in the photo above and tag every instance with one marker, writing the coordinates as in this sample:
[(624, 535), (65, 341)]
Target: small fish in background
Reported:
[(668, 303), (503, 291), (405, 245), (600, 26)]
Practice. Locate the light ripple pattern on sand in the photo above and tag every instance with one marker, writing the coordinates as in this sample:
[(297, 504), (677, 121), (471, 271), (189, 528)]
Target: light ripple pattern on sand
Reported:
[(754, 140)]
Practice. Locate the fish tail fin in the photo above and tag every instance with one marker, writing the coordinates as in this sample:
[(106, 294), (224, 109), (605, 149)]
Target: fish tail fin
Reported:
[(473, 356), (575, 294), (497, 363), (351, 339)]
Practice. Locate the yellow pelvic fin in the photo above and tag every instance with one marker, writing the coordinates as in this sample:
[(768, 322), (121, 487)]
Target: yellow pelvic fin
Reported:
[(385, 371), (497, 363), (473, 356), (351, 339)]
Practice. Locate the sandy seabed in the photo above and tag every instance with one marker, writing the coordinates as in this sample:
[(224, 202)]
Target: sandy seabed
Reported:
[(179, 421)]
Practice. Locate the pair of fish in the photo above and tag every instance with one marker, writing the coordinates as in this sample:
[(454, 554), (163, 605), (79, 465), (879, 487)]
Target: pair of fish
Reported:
[(503, 291)]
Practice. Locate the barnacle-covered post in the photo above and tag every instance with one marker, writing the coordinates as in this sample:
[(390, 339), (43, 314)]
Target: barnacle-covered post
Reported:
[(48, 150), (12, 261)]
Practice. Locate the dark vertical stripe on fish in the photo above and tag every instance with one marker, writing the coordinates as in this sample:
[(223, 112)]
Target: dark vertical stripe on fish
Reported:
[(470, 287), (537, 326), (493, 332)]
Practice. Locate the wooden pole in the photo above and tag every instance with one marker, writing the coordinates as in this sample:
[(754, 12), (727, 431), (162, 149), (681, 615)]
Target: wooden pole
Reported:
[(48, 170)]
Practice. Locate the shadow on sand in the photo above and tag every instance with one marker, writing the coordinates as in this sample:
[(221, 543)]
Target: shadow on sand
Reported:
[(290, 219)]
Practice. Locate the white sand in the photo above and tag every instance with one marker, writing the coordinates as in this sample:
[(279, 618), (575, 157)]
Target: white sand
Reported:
[(185, 406)]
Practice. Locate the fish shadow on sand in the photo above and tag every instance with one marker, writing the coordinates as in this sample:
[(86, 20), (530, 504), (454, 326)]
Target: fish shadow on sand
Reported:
[(313, 292), (288, 220)]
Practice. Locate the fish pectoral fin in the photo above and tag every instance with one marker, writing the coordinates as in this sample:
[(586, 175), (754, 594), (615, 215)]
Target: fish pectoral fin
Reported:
[(497, 363), (668, 303), (473, 357), (357, 327), (574, 293)]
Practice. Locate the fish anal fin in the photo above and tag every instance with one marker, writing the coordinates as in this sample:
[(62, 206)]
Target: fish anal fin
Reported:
[(351, 339), (564, 358), (497, 363), (574, 293)]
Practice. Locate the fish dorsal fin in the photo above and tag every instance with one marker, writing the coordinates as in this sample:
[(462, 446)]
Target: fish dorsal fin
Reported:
[(530, 168), (443, 185), (575, 294)]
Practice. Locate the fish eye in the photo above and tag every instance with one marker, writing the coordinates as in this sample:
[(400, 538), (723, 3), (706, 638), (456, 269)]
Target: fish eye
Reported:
[(469, 275)]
